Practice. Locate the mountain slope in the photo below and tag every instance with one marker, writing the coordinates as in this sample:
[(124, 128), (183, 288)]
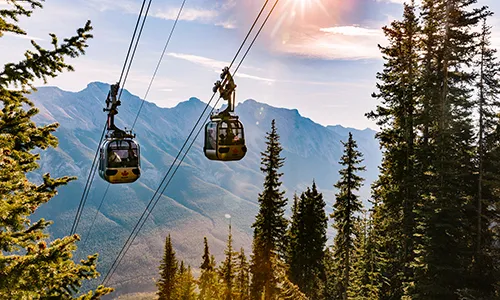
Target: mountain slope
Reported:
[(200, 193)]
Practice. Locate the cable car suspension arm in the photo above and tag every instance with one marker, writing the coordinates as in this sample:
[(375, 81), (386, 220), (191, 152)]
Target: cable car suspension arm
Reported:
[(112, 104), (226, 89)]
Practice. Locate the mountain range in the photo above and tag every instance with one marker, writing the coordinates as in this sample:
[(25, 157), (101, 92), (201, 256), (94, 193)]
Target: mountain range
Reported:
[(201, 194)]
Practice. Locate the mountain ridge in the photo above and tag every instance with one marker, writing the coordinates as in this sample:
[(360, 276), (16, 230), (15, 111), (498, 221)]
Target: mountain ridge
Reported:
[(201, 192)]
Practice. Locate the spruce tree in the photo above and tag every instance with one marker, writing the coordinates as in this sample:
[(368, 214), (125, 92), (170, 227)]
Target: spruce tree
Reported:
[(346, 206), (488, 86), (168, 272), (227, 269), (208, 283), (449, 188), (330, 284), (285, 289), (242, 280), (270, 224), (426, 219), (184, 284), (364, 282), (30, 265), (295, 253), (398, 116), (292, 231), (308, 241)]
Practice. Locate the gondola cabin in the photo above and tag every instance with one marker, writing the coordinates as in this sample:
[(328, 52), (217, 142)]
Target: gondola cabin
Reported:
[(119, 160), (224, 139)]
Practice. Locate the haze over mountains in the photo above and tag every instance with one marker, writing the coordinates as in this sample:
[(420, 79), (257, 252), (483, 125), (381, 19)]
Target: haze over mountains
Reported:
[(200, 193)]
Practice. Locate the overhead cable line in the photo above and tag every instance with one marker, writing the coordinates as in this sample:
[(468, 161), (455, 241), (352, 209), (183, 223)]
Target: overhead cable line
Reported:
[(128, 244), (132, 41), (95, 217), (135, 48), (145, 96), (86, 189), (159, 63), (93, 168)]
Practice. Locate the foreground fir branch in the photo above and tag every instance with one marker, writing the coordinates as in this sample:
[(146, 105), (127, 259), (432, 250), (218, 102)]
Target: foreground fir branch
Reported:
[(30, 267)]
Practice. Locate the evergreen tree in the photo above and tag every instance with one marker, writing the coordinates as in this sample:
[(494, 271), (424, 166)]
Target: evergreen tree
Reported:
[(184, 284), (227, 270), (285, 289), (364, 283), (242, 281), (208, 283), (449, 186), (307, 244), (168, 272), (295, 252), (427, 190), (398, 117), (330, 284), (270, 224), (292, 237), (30, 265), (346, 206), (485, 270)]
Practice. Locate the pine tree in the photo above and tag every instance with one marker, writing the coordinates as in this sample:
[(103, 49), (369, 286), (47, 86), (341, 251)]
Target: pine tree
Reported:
[(270, 224), (227, 269), (168, 272), (208, 283), (347, 204), (307, 244), (30, 265), (242, 281)]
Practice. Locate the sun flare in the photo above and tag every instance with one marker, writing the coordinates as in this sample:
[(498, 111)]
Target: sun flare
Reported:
[(304, 5), (297, 13)]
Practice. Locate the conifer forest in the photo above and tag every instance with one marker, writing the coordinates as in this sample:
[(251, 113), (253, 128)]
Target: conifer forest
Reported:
[(432, 229)]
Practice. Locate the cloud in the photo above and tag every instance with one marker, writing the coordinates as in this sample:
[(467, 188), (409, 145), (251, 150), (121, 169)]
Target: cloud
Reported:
[(204, 15), (227, 24), (339, 42), (122, 5), (352, 31), (22, 36), (217, 65), (267, 80), (187, 14), (417, 2), (200, 60)]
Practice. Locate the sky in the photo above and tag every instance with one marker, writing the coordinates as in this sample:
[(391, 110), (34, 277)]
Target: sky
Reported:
[(318, 56)]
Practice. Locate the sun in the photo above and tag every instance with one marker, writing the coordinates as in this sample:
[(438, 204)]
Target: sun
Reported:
[(304, 5), (300, 3), (297, 13)]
